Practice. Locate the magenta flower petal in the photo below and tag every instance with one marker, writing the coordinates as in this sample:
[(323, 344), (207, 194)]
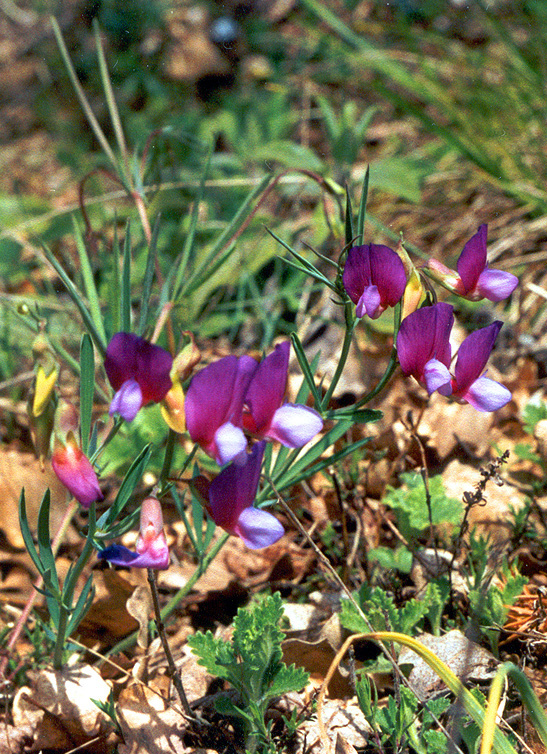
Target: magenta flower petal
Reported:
[(473, 354), (75, 471), (373, 266), (294, 425), (131, 359), (370, 303), (425, 335), (485, 394), (267, 389), (472, 260), (257, 528), (215, 398), (151, 548), (127, 401), (496, 285), (437, 377), (229, 443), (234, 489)]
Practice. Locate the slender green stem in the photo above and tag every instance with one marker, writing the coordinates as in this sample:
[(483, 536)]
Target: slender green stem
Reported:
[(167, 461), (174, 673), (67, 593), (346, 345), (113, 432)]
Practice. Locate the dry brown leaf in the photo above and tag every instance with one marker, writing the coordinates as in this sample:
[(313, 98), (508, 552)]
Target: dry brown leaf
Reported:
[(20, 470), (149, 725), (139, 606), (58, 707)]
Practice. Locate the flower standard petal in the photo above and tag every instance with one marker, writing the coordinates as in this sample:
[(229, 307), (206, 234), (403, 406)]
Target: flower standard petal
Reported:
[(215, 397), (496, 285), (153, 371), (473, 354), (472, 260), (267, 389), (294, 425), (120, 361), (258, 528), (388, 274), (374, 278), (234, 489), (425, 335)]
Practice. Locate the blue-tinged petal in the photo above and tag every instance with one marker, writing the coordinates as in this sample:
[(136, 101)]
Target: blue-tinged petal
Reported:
[(496, 285), (294, 425), (257, 528), (118, 555), (437, 377), (230, 442), (487, 395), (369, 303), (127, 401)]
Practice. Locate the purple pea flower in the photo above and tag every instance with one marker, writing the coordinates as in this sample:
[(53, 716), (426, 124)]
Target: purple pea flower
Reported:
[(423, 346), (374, 278), (230, 502), (139, 373), (424, 352), (151, 548), (469, 383), (266, 416), (73, 468), (474, 280), (214, 405)]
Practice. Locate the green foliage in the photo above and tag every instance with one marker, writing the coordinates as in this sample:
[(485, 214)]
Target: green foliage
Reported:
[(384, 615), (534, 411), (252, 664), (409, 503), (389, 559)]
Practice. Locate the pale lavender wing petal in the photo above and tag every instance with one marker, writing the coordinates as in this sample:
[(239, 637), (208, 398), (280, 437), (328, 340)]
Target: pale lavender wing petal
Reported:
[(120, 360), (424, 335), (153, 367), (437, 377), (229, 443), (472, 357), (267, 388), (294, 425), (257, 528), (369, 303), (487, 395), (388, 274), (496, 285), (127, 401), (472, 260), (356, 273), (208, 399), (235, 489)]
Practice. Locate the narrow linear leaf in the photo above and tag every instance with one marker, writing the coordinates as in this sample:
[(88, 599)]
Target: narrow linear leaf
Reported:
[(361, 217), (87, 388), (44, 539), (306, 369), (78, 299), (125, 300), (148, 277), (89, 281)]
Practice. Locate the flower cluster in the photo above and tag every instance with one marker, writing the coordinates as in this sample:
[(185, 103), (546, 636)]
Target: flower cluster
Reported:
[(374, 278), (227, 401)]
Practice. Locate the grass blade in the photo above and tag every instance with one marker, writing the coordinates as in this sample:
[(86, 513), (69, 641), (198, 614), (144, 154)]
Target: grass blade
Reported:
[(125, 300), (148, 278), (87, 388), (89, 281)]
